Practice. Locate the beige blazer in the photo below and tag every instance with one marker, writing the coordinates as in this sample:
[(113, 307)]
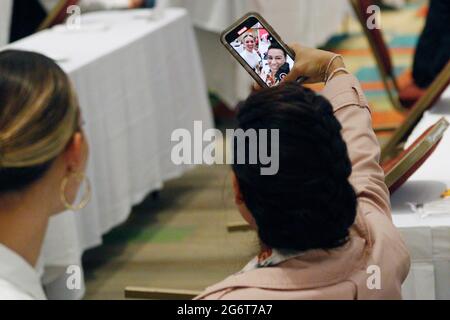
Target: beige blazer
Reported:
[(373, 263)]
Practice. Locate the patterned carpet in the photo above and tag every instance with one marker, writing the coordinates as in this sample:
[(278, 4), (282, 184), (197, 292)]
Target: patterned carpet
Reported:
[(401, 29), (178, 239)]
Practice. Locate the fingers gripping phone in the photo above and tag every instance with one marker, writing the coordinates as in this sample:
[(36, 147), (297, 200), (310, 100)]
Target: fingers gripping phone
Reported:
[(259, 49)]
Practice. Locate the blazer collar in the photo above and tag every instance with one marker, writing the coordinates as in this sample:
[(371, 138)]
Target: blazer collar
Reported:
[(313, 269)]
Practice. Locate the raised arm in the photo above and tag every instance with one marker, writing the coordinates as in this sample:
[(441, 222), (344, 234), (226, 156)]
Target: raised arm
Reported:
[(351, 109)]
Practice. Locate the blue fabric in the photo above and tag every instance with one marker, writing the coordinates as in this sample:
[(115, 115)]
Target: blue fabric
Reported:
[(372, 94), (407, 41), (371, 74), (150, 3)]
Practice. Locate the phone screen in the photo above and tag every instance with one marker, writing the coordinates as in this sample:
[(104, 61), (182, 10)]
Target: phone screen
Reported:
[(261, 51)]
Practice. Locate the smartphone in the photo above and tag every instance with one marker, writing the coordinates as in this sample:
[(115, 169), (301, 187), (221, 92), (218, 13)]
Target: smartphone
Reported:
[(259, 49)]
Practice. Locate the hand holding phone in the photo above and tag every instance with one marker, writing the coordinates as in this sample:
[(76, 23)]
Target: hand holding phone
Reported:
[(259, 49), (313, 64)]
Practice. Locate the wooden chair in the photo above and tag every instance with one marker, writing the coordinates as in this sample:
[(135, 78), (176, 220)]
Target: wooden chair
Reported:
[(159, 293), (57, 15), (433, 93), (381, 53), (399, 169)]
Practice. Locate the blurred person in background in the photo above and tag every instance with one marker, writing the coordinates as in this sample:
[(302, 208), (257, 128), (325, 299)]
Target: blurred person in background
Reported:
[(27, 15), (432, 51), (94, 5)]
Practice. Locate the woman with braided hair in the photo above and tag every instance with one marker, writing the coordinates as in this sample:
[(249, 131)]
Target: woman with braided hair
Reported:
[(43, 154), (324, 220)]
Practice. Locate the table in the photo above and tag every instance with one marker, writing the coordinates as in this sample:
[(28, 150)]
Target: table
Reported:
[(308, 22), (137, 80), (5, 20), (428, 239)]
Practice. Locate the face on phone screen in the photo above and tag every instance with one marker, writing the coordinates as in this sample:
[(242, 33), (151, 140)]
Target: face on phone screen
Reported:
[(262, 53)]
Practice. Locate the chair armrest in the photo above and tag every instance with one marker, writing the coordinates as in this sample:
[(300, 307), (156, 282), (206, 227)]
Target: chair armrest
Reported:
[(238, 226), (391, 128), (159, 293)]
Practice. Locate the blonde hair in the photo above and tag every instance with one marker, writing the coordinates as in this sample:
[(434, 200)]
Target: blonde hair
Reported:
[(38, 110), (248, 35)]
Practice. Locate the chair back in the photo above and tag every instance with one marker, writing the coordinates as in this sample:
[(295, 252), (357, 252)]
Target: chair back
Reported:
[(58, 14), (380, 50), (159, 293), (426, 102), (403, 166)]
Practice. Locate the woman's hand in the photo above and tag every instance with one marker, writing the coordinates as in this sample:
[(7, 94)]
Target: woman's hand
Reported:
[(312, 63)]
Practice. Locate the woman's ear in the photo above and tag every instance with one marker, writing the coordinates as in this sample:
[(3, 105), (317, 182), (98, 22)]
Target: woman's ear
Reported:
[(238, 199), (240, 203), (75, 153)]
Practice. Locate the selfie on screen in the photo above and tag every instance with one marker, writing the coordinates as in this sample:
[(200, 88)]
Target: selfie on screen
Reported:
[(263, 54)]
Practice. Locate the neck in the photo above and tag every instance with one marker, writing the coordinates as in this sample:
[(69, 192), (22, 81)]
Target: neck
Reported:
[(23, 222), (263, 247)]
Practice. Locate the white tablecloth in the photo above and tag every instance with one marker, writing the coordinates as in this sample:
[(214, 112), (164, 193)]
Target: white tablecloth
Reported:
[(137, 80), (428, 239), (308, 22), (5, 20)]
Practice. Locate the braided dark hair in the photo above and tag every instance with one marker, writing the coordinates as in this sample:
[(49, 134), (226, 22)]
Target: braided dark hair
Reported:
[(309, 203)]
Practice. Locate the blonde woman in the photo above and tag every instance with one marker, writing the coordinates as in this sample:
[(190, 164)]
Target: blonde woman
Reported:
[(250, 54), (43, 154)]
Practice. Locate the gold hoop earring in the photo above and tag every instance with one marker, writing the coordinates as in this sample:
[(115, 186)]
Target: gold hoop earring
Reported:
[(80, 177)]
